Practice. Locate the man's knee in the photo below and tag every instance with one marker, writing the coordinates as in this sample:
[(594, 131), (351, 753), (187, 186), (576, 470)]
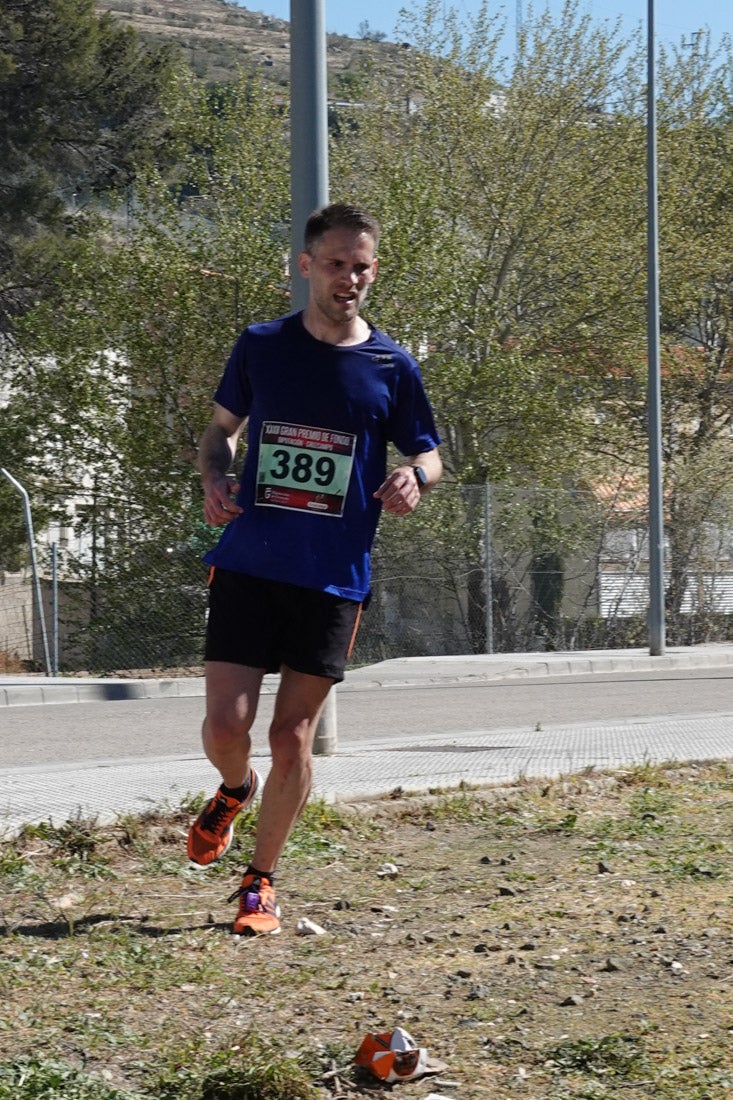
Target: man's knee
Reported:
[(291, 742), (224, 728)]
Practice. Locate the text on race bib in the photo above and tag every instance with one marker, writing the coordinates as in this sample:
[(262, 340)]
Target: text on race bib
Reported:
[(304, 469)]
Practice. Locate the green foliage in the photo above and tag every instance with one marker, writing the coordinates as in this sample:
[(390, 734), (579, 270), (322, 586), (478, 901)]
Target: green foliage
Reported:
[(76, 845), (513, 265), (699, 862), (513, 198), (461, 805), (79, 101), (506, 289), (257, 1069), (615, 1056), (79, 105), (12, 863), (369, 35), (79, 836), (46, 1079), (13, 536), (321, 831), (566, 824), (126, 357)]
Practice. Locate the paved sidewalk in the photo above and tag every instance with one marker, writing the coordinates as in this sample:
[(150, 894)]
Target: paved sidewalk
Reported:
[(366, 769)]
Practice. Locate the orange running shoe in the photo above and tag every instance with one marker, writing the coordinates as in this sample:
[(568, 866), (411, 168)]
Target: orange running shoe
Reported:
[(211, 833), (259, 913)]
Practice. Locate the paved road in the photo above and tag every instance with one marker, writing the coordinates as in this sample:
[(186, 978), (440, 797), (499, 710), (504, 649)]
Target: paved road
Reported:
[(416, 724), (63, 733)]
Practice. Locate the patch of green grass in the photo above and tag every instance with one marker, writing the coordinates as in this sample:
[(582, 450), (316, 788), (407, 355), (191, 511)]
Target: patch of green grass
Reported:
[(322, 831), (460, 806), (645, 775), (75, 845), (617, 1056), (648, 812), (696, 865), (193, 803), (79, 836), (155, 862), (96, 868), (32, 1079), (252, 1069), (13, 863), (118, 974), (650, 802), (507, 821), (331, 1059), (566, 824), (697, 1079)]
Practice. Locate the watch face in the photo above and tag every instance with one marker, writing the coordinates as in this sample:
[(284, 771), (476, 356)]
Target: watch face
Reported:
[(422, 477)]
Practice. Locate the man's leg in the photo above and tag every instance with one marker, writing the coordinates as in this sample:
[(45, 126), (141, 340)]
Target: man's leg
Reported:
[(232, 694), (298, 707)]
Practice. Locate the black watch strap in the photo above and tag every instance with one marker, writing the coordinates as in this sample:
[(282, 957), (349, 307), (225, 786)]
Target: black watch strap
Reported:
[(420, 476)]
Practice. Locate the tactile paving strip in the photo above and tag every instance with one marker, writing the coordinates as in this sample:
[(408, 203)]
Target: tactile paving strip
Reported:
[(104, 789)]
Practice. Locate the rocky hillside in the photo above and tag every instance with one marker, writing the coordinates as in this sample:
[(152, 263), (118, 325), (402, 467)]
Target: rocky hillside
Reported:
[(218, 37)]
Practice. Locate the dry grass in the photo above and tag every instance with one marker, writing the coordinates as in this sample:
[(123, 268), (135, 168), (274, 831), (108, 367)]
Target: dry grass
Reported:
[(10, 663), (557, 940)]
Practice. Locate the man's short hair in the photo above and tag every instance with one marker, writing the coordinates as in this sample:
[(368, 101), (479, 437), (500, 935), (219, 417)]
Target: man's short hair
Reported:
[(339, 215)]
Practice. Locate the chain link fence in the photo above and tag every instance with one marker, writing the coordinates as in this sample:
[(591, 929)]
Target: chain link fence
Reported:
[(475, 569)]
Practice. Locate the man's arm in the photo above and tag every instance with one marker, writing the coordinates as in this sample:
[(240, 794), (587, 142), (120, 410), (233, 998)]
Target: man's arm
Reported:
[(217, 448), (400, 492)]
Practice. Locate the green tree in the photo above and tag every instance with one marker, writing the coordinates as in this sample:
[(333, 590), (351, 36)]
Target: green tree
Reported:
[(695, 155), (513, 262), (369, 35), (513, 201), (514, 209), (79, 109), (79, 99), (128, 351), (696, 251)]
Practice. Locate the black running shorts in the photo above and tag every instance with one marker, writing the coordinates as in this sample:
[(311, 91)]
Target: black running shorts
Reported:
[(266, 624)]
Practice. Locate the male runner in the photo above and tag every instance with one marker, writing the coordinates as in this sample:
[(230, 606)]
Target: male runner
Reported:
[(321, 393)]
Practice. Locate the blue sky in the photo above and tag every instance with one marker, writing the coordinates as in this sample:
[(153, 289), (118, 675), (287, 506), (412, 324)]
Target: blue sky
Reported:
[(675, 20)]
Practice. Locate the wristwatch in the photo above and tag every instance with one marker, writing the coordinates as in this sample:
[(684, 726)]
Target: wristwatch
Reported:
[(420, 476)]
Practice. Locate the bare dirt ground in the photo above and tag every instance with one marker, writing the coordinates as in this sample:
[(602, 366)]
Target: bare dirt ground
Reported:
[(557, 940)]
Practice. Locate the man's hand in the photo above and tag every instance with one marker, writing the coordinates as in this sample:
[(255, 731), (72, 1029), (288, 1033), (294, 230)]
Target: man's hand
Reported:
[(220, 495), (399, 492), (217, 448)]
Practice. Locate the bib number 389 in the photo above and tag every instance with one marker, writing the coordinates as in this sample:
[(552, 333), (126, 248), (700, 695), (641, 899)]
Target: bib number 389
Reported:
[(304, 468)]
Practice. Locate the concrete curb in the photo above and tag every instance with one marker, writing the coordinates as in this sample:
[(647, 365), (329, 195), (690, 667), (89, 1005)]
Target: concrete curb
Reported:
[(483, 668), (403, 671), (65, 690)]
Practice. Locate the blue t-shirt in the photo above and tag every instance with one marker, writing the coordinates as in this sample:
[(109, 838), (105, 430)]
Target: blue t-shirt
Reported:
[(320, 418)]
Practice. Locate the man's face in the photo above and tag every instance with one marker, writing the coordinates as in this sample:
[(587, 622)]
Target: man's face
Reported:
[(340, 268)]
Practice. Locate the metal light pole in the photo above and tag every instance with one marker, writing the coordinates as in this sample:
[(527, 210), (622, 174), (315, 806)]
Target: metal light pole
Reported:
[(308, 191), (488, 555), (308, 128), (654, 388)]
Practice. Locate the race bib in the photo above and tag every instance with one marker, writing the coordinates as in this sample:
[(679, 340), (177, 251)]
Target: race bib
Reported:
[(304, 469)]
